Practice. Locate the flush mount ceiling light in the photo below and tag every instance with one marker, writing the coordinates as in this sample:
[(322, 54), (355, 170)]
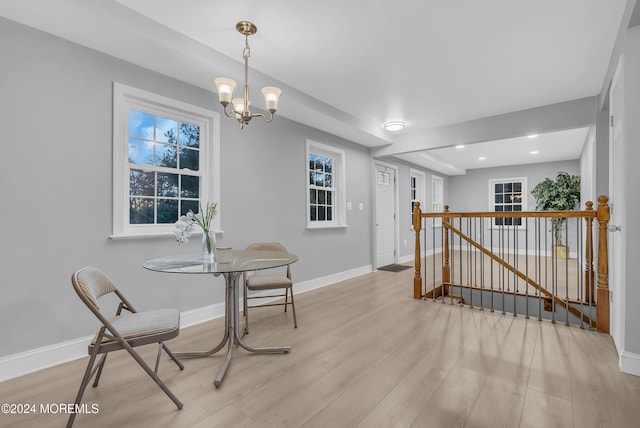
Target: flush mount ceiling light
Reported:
[(532, 136), (394, 125), (534, 152), (241, 105), (460, 146), (482, 158)]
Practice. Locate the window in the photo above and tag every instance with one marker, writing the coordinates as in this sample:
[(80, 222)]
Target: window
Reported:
[(437, 198), (507, 195), (325, 186), (416, 188), (166, 161)]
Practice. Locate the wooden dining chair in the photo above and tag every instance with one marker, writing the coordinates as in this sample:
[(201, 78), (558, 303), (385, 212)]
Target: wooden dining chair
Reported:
[(124, 330), (262, 282)]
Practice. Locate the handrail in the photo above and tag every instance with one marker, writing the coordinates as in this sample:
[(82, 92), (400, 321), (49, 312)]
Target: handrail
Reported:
[(602, 215)]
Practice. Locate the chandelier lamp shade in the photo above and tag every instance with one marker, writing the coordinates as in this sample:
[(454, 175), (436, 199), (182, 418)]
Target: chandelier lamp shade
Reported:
[(240, 106)]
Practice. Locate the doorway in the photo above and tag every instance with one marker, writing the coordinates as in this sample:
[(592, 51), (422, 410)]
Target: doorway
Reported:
[(386, 217)]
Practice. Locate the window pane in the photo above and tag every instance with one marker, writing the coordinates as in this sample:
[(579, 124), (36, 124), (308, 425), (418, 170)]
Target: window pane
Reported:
[(322, 197), (189, 159), (140, 152), (517, 187), (329, 214), (189, 135), (518, 221), (312, 180), (166, 130), (140, 125), (328, 180), (318, 179), (140, 211), (329, 198), (508, 221), (321, 214), (190, 186), (328, 165), (313, 213), (188, 205), (167, 211), (498, 188), (499, 222), (499, 208), (508, 208), (168, 185), (517, 207), (498, 199), (313, 196), (166, 155), (141, 183), (508, 187)]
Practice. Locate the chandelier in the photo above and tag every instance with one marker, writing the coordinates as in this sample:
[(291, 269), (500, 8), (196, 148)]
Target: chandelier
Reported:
[(241, 105)]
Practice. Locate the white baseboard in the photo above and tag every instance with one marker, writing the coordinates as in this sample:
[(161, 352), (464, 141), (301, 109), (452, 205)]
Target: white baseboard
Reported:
[(42, 358), (411, 257), (630, 363), (34, 360)]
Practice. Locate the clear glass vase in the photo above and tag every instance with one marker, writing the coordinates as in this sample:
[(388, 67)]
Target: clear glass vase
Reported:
[(209, 245)]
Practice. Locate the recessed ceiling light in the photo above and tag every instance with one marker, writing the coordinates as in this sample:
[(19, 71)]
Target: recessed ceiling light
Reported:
[(394, 125), (532, 136), (482, 158), (534, 152), (460, 146)]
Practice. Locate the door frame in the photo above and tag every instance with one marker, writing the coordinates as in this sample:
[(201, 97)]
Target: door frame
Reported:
[(396, 227)]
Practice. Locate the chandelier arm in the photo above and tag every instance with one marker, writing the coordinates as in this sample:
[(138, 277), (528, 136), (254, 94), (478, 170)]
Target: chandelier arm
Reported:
[(227, 113)]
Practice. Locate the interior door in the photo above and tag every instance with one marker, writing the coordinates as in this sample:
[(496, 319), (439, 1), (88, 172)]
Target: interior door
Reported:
[(385, 215), (616, 199)]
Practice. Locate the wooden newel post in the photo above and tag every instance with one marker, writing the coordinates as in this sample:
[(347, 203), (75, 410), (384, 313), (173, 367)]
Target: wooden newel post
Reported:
[(446, 269), (602, 305), (417, 226), (588, 262)]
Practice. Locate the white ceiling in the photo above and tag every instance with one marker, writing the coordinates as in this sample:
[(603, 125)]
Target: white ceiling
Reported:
[(549, 147), (348, 66)]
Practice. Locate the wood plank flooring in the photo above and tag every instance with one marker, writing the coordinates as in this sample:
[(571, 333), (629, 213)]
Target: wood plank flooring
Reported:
[(365, 354)]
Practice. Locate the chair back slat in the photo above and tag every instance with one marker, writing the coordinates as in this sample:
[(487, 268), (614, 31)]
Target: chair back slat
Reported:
[(91, 283)]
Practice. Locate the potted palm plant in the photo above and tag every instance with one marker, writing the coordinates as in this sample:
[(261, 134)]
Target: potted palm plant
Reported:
[(561, 194)]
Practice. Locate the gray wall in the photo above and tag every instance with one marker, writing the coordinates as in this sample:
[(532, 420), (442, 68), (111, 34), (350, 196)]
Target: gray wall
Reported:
[(56, 192), (470, 192), (405, 224)]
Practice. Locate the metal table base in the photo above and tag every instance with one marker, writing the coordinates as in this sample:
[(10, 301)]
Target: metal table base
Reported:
[(232, 334)]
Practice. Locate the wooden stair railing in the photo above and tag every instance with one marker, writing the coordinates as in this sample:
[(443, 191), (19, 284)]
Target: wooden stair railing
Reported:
[(589, 214)]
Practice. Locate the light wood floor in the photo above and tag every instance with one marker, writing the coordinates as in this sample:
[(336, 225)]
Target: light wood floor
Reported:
[(365, 354)]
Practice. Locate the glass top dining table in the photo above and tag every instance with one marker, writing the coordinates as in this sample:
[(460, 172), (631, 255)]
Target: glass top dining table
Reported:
[(241, 261)]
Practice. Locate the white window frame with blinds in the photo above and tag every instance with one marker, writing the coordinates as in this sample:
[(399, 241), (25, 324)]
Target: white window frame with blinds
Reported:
[(437, 198), (339, 201), (417, 183), (127, 98), (492, 198)]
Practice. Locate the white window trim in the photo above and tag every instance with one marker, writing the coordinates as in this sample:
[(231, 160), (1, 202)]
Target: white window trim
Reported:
[(126, 97), (421, 191), (491, 196), (437, 222), (340, 179)]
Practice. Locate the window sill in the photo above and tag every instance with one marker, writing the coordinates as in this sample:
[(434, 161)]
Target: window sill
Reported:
[(123, 236), (327, 226)]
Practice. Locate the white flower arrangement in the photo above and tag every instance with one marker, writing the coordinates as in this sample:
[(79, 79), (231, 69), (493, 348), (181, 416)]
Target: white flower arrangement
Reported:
[(184, 225)]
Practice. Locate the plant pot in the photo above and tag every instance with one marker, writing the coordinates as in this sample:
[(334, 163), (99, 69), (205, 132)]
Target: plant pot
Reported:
[(561, 251)]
